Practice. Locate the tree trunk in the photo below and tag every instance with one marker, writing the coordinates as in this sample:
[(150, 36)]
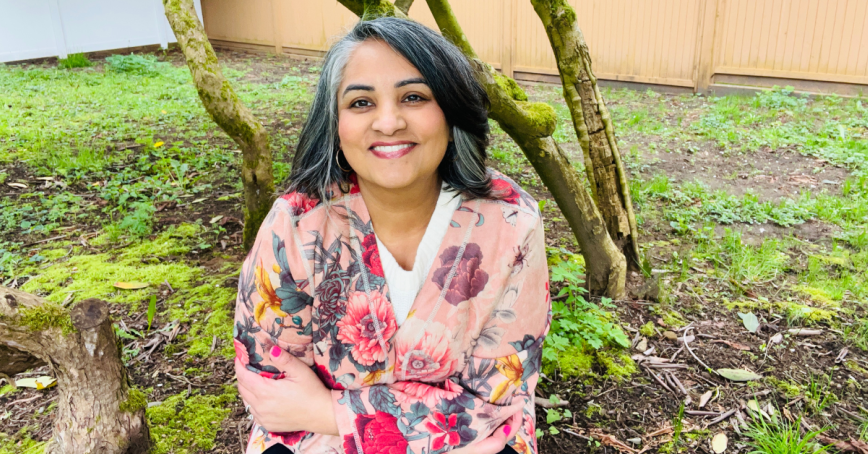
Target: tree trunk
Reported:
[(228, 112), (404, 5), (97, 412), (531, 126), (593, 125)]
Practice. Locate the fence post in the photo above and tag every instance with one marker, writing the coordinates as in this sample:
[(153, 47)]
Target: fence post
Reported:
[(506, 49), (705, 45), (275, 27)]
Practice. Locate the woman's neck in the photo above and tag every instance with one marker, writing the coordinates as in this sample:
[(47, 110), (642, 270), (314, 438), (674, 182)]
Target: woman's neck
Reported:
[(400, 217)]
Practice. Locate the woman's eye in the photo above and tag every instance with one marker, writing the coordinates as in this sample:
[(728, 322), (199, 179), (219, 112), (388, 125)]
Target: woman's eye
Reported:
[(361, 103), (414, 98)]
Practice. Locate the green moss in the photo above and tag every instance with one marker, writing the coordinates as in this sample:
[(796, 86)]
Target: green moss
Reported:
[(7, 389), (510, 87), (93, 276), (593, 409), (672, 319), (618, 364), (136, 400), (378, 8), (647, 330), (575, 361), (818, 295), (542, 116), (805, 314), (186, 426), (210, 306), (787, 389), (47, 315), (855, 367)]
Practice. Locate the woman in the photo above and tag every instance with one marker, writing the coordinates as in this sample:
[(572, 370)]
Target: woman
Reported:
[(396, 298)]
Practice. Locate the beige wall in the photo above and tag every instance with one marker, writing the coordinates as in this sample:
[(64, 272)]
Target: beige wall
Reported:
[(820, 44)]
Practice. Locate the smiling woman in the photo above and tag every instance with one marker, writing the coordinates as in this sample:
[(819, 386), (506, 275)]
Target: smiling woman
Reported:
[(396, 298)]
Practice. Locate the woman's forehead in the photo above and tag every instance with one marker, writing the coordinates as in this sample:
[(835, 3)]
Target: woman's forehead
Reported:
[(374, 61)]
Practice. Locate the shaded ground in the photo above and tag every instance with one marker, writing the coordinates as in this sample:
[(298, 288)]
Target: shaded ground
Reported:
[(773, 228)]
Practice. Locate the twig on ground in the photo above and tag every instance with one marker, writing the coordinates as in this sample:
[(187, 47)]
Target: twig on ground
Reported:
[(721, 417), (689, 350)]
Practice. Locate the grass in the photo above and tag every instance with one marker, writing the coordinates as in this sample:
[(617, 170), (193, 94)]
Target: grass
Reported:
[(74, 61), (781, 437)]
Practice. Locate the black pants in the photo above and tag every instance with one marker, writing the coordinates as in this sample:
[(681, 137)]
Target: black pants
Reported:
[(280, 449)]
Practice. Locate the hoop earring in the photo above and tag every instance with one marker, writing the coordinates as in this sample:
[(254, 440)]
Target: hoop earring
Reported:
[(338, 162)]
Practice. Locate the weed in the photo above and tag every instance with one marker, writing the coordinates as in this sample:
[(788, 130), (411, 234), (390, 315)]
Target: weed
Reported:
[(74, 61), (818, 394), (857, 333), (142, 65), (781, 437)]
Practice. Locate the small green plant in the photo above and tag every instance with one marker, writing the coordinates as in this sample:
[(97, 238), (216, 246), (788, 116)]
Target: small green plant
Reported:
[(857, 332), (140, 221), (143, 65), (152, 310), (818, 395), (781, 437), (74, 61), (575, 320)]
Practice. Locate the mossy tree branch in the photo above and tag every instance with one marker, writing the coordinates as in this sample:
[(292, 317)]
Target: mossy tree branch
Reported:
[(404, 5), (80, 347), (593, 124), (221, 102)]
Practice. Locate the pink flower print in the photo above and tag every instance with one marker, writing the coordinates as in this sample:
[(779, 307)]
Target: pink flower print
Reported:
[(299, 203), (371, 255), (469, 278), (289, 438), (504, 191), (430, 395), (358, 328), (444, 429), (428, 360)]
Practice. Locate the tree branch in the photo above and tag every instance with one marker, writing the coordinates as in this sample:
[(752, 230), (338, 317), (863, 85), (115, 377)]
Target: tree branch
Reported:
[(221, 102), (404, 5)]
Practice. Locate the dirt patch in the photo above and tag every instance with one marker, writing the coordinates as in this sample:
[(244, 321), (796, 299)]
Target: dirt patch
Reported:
[(770, 174)]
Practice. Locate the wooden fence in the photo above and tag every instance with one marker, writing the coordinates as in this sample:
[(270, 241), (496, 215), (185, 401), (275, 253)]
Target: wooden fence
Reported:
[(814, 45)]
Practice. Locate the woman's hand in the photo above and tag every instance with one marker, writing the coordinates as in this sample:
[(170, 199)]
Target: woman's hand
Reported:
[(496, 441), (299, 402)]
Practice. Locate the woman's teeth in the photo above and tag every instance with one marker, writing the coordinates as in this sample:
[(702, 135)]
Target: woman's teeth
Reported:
[(392, 148)]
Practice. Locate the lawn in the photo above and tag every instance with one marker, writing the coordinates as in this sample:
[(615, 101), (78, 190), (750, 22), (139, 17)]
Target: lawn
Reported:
[(753, 217)]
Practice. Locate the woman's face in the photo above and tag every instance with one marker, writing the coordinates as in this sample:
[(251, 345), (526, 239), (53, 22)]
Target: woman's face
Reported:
[(391, 129)]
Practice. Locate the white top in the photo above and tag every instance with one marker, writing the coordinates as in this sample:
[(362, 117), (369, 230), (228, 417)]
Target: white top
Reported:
[(405, 285)]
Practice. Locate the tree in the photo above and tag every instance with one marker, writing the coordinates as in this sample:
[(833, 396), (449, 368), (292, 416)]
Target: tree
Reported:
[(97, 410), (221, 102), (531, 126)]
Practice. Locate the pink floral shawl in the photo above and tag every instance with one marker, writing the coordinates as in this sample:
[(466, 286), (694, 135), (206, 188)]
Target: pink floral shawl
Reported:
[(466, 359)]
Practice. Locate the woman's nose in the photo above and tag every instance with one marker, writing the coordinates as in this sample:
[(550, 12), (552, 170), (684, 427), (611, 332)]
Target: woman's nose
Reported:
[(389, 119)]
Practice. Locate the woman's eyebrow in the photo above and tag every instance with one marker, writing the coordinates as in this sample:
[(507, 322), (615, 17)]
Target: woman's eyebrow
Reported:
[(417, 80)]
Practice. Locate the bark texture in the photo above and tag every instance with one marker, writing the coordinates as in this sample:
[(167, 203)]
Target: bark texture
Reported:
[(228, 112), (97, 412), (404, 5), (593, 125)]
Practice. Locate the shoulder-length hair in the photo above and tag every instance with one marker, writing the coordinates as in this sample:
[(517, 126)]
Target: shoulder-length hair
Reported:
[(447, 72)]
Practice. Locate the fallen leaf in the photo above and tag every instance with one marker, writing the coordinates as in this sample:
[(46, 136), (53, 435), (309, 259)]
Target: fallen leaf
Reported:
[(776, 339), (38, 382), (751, 323), (130, 285), (670, 335), (17, 185), (719, 442), (642, 345), (215, 219), (738, 374), (704, 399), (159, 144), (859, 447), (732, 344)]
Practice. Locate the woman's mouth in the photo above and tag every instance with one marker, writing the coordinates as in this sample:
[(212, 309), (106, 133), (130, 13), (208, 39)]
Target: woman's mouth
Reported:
[(392, 150)]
